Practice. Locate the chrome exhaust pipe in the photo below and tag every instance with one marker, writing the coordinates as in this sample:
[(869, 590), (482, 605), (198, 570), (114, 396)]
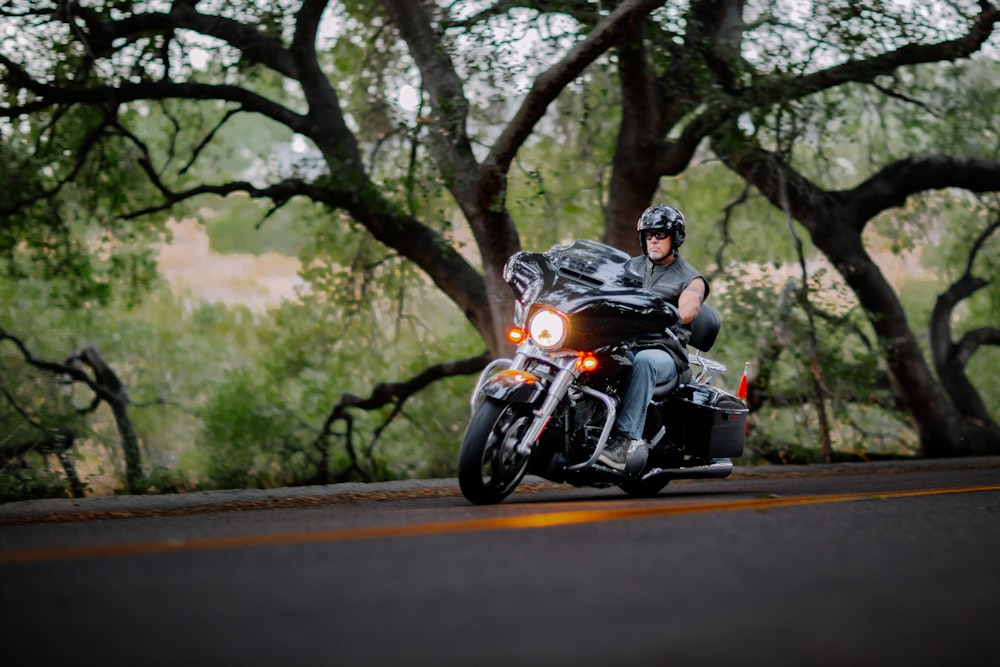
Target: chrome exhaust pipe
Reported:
[(717, 469)]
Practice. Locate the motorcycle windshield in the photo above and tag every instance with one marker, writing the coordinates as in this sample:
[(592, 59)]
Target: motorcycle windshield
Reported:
[(589, 282)]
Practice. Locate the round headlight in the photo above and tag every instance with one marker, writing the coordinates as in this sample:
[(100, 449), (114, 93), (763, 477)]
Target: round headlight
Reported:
[(547, 329)]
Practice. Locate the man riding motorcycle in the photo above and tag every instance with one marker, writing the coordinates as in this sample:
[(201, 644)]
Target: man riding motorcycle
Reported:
[(666, 274)]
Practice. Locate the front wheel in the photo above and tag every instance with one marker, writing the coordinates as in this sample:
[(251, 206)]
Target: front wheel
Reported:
[(489, 465)]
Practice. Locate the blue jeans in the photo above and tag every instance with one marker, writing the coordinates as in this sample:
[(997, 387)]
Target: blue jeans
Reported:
[(649, 368)]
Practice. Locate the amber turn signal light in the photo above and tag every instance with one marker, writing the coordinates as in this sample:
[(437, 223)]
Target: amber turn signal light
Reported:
[(588, 362), (516, 335)]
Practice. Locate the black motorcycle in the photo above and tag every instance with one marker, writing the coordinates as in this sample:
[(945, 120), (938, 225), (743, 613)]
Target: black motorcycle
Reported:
[(579, 314)]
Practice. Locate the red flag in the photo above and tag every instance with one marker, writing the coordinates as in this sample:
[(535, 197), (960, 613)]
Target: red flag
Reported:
[(742, 393)]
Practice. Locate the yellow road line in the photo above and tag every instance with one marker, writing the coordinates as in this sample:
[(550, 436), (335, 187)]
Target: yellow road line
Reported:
[(539, 520)]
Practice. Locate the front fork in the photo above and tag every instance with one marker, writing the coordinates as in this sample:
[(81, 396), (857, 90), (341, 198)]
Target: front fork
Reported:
[(544, 412), (567, 372)]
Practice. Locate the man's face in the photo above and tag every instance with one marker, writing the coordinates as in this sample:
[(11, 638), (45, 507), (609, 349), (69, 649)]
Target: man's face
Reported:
[(658, 248)]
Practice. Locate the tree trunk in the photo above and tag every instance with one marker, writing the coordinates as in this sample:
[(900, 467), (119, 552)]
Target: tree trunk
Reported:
[(942, 429), (836, 221), (635, 174), (113, 391), (948, 357), (951, 358)]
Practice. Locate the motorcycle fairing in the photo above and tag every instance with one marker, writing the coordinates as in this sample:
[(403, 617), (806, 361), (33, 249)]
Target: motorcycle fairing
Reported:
[(589, 282), (515, 386)]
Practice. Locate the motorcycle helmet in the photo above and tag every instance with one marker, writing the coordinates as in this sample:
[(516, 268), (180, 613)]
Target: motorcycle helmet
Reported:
[(663, 217)]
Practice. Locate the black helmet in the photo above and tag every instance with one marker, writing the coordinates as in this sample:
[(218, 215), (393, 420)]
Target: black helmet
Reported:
[(664, 217)]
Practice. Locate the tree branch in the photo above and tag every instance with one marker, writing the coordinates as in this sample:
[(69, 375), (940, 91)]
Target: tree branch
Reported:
[(254, 44), (896, 182), (106, 387), (87, 144), (549, 84), (782, 87), (950, 358), (972, 341), (50, 95), (70, 371), (394, 393)]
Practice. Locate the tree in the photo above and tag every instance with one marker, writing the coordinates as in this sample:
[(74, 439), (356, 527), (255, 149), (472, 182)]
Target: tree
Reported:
[(105, 387), (951, 358), (743, 81)]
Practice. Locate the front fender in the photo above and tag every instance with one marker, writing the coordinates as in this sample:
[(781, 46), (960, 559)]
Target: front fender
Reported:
[(514, 386)]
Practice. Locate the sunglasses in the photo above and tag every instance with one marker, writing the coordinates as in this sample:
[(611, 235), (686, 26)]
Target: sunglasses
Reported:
[(659, 235)]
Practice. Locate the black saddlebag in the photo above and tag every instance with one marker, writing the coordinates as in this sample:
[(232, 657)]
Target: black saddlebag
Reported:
[(705, 421)]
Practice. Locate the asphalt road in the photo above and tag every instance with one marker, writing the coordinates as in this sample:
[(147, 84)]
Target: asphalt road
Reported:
[(830, 566)]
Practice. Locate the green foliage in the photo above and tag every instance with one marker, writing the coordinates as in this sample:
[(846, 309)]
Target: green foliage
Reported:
[(556, 185), (838, 139), (242, 225), (982, 373), (32, 402), (249, 441), (31, 482), (229, 396), (719, 241), (65, 233), (35, 409), (765, 322), (261, 427), (982, 309)]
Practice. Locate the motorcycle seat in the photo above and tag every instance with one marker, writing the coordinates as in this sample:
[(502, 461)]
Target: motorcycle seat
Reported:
[(661, 391)]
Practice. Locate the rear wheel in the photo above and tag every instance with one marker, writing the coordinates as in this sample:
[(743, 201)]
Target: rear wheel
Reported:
[(489, 465)]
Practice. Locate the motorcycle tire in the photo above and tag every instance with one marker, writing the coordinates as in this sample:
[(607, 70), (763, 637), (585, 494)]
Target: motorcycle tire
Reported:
[(643, 488), (489, 466)]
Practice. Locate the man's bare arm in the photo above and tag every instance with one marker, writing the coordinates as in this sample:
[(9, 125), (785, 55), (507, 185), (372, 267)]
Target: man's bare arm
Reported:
[(690, 300)]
